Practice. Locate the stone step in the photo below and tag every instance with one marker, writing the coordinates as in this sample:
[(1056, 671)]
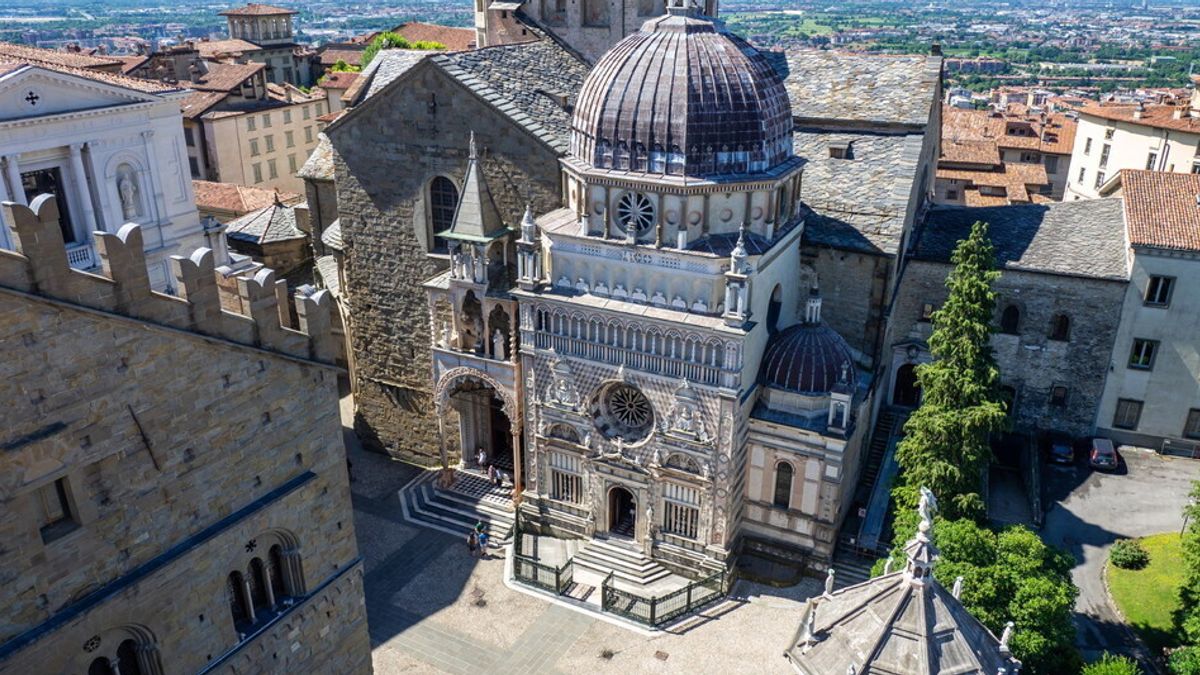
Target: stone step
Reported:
[(447, 511), (601, 557), (851, 569)]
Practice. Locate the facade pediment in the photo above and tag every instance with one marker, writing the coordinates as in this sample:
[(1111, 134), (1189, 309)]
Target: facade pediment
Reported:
[(32, 92)]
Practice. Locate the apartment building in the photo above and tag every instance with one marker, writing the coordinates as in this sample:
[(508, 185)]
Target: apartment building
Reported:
[(1111, 138)]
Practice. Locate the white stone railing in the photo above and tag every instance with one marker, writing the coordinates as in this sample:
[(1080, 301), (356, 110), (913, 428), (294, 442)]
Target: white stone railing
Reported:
[(81, 256), (699, 373)]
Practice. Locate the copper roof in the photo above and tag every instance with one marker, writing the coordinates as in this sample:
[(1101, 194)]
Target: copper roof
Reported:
[(806, 358), (1156, 116), (15, 52), (1162, 210), (255, 9), (685, 90)]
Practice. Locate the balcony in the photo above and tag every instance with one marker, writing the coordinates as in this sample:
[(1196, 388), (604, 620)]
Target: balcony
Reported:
[(693, 369), (81, 256)]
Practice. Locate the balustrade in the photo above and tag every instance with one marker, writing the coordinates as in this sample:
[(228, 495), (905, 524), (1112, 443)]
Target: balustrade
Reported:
[(668, 365), (81, 256)]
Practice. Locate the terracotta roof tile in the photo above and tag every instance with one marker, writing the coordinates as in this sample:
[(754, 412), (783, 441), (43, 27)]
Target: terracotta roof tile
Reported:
[(338, 80), (455, 39), (15, 52), (134, 83), (352, 57), (1156, 116), (1015, 179), (210, 49), (238, 199), (197, 103), (1162, 209), (225, 77)]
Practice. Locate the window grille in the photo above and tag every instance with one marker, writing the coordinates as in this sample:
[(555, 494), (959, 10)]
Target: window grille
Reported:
[(566, 485), (680, 513)]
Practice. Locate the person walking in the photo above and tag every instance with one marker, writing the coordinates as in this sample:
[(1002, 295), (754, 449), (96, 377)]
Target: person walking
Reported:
[(472, 542), (481, 458), (483, 542), (494, 475)]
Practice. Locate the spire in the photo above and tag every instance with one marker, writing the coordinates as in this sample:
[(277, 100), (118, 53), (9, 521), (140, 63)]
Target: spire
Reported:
[(529, 228), (737, 257), (476, 218)]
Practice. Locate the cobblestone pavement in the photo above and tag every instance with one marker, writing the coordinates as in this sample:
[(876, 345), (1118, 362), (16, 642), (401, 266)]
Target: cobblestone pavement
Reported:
[(432, 608)]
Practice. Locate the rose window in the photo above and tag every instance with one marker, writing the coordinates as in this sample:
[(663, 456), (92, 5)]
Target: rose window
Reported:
[(623, 411), (635, 210)]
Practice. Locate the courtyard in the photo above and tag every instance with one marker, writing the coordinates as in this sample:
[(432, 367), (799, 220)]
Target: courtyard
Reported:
[(433, 608)]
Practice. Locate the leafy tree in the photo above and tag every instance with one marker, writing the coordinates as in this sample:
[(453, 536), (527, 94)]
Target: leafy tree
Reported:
[(342, 67), (1187, 617), (945, 447), (1185, 661), (390, 40), (1112, 665), (1012, 575)]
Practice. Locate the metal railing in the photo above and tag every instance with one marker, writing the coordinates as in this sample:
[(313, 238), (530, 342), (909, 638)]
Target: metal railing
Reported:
[(660, 610), (529, 571)]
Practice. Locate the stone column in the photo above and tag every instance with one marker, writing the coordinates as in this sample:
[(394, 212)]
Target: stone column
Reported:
[(147, 659), (14, 179), (248, 598), (441, 420), (293, 572), (102, 212), (82, 190), (4, 226), (518, 461), (152, 181)]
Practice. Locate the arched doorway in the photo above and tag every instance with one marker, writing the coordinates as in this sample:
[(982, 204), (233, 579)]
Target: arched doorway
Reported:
[(622, 512), (907, 392), (475, 413)]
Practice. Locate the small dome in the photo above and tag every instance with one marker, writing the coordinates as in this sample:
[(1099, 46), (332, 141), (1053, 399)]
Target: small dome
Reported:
[(683, 97), (806, 359)]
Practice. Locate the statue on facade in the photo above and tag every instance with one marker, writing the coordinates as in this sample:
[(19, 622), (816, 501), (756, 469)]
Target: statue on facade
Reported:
[(498, 350), (129, 193)]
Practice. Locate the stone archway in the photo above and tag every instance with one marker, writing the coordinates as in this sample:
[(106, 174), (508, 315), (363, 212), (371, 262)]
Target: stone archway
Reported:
[(622, 512), (907, 392), (486, 408)]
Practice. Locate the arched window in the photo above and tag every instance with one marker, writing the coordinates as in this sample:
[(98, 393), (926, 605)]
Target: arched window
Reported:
[(443, 200), (1060, 328), (783, 485), (128, 659), (1010, 320), (100, 666), (276, 568), (235, 592)]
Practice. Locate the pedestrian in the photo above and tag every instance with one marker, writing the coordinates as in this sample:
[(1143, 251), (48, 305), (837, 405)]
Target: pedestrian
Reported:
[(494, 476), (483, 542), (472, 542), (481, 458)]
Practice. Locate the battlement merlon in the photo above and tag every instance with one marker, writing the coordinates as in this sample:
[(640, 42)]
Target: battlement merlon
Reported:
[(39, 266)]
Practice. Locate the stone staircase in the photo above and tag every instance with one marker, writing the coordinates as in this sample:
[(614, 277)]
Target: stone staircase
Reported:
[(888, 422), (471, 500), (850, 567), (625, 561)]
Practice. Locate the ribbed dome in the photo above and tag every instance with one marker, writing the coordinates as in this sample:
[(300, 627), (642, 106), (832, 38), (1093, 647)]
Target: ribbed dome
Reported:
[(683, 97), (806, 359)]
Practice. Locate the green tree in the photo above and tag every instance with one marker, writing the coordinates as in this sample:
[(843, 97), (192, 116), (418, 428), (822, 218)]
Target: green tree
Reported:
[(390, 40), (945, 447), (342, 67), (1112, 665), (1185, 661), (1012, 575), (1187, 617)]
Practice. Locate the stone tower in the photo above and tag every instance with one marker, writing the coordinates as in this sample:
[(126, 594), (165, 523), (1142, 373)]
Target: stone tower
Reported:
[(590, 27)]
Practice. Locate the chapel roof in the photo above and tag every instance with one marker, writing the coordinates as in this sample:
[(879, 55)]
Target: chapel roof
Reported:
[(808, 358), (270, 224), (861, 88), (685, 90)]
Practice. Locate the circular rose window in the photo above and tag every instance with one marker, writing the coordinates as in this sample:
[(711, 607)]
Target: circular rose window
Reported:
[(623, 411), (635, 210)]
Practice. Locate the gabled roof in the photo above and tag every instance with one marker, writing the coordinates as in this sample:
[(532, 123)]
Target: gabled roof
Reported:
[(267, 225), (319, 165), (225, 77), (197, 103), (10, 51), (1162, 209), (525, 82), (238, 199), (211, 49), (455, 39), (351, 57), (11, 68)]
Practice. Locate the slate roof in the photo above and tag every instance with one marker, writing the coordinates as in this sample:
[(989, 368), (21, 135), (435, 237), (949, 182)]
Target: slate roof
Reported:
[(388, 65), (857, 203), (886, 89), (1083, 238), (332, 236), (522, 81), (268, 225), (1162, 209), (319, 165), (327, 269)]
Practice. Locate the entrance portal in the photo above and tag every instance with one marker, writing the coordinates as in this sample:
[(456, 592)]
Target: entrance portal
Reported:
[(622, 512), (482, 425), (908, 391)]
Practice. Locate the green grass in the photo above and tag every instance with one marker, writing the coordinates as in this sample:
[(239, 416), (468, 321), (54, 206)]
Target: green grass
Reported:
[(1149, 596)]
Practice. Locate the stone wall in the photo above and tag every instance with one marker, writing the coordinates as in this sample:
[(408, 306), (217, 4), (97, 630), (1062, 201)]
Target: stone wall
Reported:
[(385, 159), (853, 287), (186, 442), (1030, 362)]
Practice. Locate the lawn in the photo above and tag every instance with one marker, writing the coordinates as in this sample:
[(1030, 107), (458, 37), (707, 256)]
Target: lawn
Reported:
[(1148, 596)]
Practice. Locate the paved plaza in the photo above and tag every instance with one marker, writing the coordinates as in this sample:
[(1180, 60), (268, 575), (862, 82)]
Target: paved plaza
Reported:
[(432, 608)]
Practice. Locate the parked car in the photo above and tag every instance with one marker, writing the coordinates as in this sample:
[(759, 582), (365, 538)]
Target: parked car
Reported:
[(1103, 456), (1060, 449)]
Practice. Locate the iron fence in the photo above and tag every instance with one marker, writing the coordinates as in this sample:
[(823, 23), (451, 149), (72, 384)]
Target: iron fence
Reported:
[(658, 611)]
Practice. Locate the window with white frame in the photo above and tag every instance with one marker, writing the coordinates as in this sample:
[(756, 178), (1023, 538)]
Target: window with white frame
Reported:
[(681, 510), (566, 485)]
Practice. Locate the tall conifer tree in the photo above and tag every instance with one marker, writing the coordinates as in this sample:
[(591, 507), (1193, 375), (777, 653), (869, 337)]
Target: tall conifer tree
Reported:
[(945, 447)]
